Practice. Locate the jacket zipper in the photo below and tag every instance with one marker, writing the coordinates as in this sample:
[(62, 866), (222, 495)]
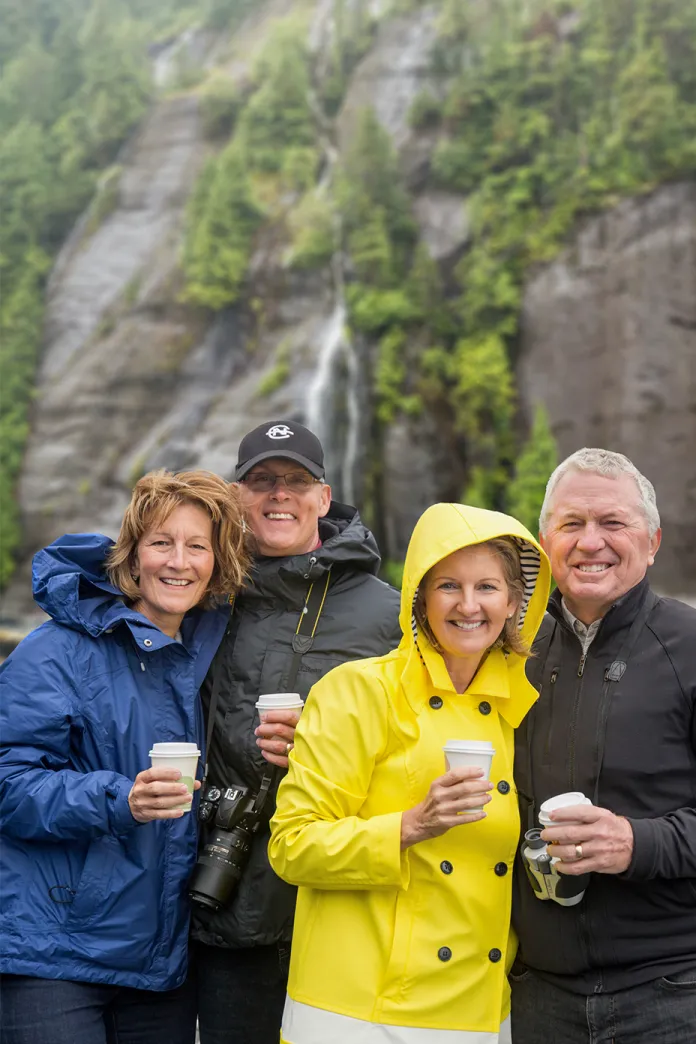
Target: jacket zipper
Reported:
[(574, 723), (552, 694)]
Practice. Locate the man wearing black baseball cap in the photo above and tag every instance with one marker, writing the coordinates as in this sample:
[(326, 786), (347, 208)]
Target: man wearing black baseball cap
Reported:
[(305, 543)]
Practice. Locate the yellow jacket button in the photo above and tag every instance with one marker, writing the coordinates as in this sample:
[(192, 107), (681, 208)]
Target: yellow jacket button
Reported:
[(485, 707), (501, 869), (435, 702), (494, 955), (444, 953), (446, 866)]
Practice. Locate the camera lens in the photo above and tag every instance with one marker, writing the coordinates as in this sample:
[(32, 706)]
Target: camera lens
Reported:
[(220, 867)]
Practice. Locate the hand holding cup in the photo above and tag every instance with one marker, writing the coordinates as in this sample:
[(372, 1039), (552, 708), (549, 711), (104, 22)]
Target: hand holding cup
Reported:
[(455, 799), (279, 714), (158, 794)]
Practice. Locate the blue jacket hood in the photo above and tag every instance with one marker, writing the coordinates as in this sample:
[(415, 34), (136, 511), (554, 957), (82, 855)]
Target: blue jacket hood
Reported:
[(70, 585)]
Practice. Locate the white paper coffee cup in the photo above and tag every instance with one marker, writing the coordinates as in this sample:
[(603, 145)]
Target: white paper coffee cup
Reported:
[(470, 754), (181, 756), (568, 800), (280, 701)]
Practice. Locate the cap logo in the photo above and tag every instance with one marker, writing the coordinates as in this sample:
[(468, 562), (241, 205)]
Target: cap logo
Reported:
[(279, 431)]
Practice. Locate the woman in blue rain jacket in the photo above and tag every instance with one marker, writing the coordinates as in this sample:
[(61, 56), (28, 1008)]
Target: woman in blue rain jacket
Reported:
[(94, 860)]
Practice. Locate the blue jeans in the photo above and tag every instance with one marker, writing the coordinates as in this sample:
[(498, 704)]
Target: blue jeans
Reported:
[(241, 993), (658, 1012), (53, 1011)]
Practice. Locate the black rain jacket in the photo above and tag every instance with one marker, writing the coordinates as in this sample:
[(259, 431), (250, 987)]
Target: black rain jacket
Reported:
[(359, 619), (636, 756)]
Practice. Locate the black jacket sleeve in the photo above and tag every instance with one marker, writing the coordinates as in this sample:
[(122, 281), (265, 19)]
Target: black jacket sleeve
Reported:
[(666, 845)]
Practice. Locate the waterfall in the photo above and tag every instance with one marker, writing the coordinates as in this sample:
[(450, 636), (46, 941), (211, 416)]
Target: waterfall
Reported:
[(332, 406)]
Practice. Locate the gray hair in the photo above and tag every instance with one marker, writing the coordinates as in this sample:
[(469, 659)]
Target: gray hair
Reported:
[(611, 465)]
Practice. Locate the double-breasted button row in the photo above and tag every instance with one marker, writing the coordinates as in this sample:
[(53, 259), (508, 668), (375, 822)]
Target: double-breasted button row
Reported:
[(494, 955)]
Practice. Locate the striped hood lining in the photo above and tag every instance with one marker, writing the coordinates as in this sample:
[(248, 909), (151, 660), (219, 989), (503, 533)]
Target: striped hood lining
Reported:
[(530, 563)]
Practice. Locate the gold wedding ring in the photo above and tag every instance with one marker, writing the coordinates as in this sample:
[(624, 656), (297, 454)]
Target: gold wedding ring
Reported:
[(578, 851), (288, 748)]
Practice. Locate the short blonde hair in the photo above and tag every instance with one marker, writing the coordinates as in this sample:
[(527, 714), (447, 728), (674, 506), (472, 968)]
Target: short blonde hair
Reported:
[(509, 639), (154, 498)]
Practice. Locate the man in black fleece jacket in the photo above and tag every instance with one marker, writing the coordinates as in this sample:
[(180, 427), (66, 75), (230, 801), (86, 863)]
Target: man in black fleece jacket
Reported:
[(616, 670)]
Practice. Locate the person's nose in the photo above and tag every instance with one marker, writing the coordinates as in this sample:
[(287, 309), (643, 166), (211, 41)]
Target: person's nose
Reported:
[(178, 557), (590, 539), (280, 490), (468, 604)]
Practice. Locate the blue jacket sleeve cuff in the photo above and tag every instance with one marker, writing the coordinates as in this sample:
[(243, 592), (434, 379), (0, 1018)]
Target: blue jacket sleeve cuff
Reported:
[(121, 818)]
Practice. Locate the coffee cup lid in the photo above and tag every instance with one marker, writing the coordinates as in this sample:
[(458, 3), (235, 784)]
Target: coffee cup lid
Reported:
[(470, 746), (279, 700), (573, 797), (174, 750)]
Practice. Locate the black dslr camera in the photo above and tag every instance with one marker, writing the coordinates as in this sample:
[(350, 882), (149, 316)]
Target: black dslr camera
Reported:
[(234, 816)]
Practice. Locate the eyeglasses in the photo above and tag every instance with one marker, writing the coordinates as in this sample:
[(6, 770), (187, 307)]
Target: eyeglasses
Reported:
[(263, 482)]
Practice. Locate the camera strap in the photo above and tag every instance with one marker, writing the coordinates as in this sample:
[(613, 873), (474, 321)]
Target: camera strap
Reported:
[(231, 631), (302, 642), (303, 638)]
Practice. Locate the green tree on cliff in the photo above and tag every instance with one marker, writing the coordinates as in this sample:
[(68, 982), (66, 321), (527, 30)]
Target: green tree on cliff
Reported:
[(535, 463)]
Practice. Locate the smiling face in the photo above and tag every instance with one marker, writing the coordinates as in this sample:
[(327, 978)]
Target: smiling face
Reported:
[(467, 602), (175, 561), (284, 521), (598, 541)]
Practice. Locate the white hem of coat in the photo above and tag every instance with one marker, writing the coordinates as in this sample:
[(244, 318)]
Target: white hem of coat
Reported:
[(305, 1024)]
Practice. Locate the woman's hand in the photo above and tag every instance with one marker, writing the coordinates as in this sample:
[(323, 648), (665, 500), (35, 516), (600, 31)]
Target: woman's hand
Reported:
[(447, 804), (156, 793), (276, 734)]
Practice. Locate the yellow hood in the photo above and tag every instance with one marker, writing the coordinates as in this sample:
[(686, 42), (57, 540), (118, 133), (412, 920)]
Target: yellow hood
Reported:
[(445, 528)]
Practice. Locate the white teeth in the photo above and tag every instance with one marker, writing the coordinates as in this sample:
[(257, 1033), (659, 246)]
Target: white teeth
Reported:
[(598, 568), (171, 582), (467, 626), (283, 517)]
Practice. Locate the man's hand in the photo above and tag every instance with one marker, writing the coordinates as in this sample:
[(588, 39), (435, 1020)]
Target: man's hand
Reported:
[(156, 793), (605, 840), (276, 734)]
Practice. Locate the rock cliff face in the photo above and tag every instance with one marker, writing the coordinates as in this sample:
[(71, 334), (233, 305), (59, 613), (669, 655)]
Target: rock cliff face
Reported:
[(131, 379), (609, 346)]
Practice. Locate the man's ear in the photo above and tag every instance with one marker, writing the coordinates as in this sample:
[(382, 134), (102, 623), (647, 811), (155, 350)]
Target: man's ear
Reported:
[(655, 542), (325, 501)]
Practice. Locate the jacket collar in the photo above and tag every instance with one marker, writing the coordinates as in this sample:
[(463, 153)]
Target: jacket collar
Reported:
[(499, 679), (618, 617)]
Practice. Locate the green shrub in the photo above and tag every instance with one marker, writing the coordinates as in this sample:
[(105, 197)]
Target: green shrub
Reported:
[(220, 103), (313, 233), (425, 112)]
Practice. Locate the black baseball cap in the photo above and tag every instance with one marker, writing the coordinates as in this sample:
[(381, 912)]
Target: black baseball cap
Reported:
[(286, 439)]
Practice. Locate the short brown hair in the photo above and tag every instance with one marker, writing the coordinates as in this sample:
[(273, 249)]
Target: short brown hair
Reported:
[(154, 498), (510, 639)]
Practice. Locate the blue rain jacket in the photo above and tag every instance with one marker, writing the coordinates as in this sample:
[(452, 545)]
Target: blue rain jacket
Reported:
[(86, 892)]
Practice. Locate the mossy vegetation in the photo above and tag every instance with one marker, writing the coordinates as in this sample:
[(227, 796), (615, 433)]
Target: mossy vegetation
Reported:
[(552, 111), (545, 110)]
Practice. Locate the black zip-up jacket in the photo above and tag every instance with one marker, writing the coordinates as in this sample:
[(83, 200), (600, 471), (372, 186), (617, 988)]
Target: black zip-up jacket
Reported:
[(637, 926), (359, 618)]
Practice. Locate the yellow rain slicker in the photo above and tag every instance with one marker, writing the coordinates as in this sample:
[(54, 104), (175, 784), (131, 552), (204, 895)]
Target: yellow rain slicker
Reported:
[(419, 938)]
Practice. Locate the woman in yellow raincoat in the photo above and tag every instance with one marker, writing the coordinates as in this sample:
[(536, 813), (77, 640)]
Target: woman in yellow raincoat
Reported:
[(402, 931)]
